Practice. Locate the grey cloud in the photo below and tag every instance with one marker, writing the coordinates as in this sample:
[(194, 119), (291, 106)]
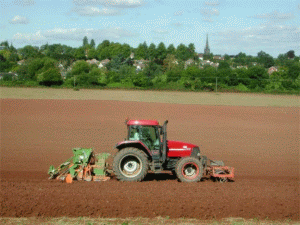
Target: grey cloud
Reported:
[(178, 24), (76, 34), (212, 3), (160, 31), (273, 37), (178, 13), (24, 2), (275, 16), (207, 19), (111, 3), (210, 12), (19, 20), (33, 38), (95, 11)]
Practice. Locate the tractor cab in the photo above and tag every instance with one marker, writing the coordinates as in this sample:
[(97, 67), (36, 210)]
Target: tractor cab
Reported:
[(146, 131)]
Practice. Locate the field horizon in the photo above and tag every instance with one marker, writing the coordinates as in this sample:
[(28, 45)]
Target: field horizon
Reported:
[(150, 96)]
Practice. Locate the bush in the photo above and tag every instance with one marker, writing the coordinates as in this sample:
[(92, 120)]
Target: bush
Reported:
[(50, 77), (241, 87)]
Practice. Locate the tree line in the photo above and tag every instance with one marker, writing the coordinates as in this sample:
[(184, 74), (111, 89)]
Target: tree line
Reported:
[(163, 67)]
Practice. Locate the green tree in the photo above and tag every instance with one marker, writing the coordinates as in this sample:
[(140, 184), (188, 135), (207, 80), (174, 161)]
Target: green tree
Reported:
[(92, 54), (28, 52), (294, 70), (85, 41), (50, 77), (161, 52), (223, 65), (34, 68), (182, 52), (79, 68), (265, 59), (80, 53), (152, 69), (152, 53), (170, 62), (282, 60), (142, 51), (192, 72), (171, 49), (291, 54), (191, 51), (93, 44)]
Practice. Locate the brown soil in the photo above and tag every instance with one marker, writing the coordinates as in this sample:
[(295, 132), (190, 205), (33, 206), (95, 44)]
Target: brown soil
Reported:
[(261, 143)]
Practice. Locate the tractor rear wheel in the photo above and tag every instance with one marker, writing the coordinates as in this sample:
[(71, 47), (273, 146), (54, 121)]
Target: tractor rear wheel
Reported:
[(189, 169), (130, 164)]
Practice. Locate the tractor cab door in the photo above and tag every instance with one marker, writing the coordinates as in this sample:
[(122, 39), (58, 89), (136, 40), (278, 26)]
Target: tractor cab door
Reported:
[(149, 135)]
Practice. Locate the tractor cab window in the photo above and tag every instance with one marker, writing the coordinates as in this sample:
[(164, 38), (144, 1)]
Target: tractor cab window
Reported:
[(150, 137), (147, 134), (134, 133)]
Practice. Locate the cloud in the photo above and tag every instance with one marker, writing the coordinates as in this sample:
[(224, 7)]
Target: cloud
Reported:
[(207, 19), (177, 24), (210, 12), (95, 11), (272, 37), (160, 31), (23, 2), (19, 20), (74, 34), (275, 16), (36, 38), (111, 3), (77, 34), (178, 13), (212, 3)]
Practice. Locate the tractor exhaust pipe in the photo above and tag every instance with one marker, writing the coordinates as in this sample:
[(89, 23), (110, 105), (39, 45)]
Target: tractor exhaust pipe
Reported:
[(164, 150)]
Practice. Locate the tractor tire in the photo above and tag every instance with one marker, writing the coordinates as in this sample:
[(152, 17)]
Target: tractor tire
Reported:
[(189, 169), (130, 164)]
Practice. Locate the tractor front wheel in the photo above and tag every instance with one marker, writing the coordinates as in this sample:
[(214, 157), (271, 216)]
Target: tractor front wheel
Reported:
[(189, 169), (130, 164)]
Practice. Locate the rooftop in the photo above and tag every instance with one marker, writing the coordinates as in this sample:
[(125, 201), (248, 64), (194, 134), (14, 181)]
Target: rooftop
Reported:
[(142, 122)]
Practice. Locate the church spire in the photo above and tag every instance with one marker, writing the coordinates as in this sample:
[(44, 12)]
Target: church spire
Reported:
[(206, 50)]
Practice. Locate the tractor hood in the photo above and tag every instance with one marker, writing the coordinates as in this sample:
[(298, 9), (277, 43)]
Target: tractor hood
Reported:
[(180, 149)]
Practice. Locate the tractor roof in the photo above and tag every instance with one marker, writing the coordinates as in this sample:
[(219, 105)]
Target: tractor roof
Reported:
[(142, 122)]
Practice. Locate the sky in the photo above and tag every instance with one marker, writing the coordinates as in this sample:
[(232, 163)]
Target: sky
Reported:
[(233, 26)]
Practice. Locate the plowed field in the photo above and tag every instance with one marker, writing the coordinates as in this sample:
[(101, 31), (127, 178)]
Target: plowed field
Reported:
[(262, 143)]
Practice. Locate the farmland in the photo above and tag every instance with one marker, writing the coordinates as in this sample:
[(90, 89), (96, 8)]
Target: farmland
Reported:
[(256, 134)]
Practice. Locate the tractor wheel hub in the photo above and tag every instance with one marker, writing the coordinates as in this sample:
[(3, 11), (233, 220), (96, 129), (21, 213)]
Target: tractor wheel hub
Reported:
[(131, 166)]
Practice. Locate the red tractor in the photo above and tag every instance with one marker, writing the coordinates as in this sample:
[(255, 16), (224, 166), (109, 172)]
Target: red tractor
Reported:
[(146, 147)]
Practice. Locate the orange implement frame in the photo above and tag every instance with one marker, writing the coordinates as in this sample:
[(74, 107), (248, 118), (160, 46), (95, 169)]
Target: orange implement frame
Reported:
[(220, 172)]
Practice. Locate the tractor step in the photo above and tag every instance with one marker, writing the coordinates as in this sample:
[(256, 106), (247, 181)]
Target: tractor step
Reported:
[(156, 167)]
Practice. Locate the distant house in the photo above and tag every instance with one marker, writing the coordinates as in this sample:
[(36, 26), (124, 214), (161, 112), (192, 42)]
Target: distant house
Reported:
[(141, 61), (10, 75), (188, 63), (206, 62), (240, 67), (272, 70), (216, 65), (140, 67), (93, 61), (2, 48), (218, 57), (131, 55), (21, 62), (103, 63), (201, 56)]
